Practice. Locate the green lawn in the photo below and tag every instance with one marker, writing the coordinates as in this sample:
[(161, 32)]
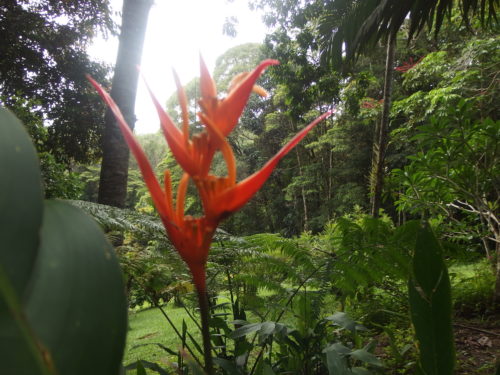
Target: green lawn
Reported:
[(472, 286), (149, 327)]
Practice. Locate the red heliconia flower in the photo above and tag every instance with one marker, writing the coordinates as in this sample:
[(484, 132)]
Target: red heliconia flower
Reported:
[(220, 196), (407, 65), (190, 236), (220, 116)]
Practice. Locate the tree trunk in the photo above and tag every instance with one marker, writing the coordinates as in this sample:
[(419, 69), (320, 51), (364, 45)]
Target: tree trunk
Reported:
[(381, 131), (496, 296), (303, 193), (114, 167)]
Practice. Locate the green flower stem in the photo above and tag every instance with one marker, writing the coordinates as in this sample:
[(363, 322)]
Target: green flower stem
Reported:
[(205, 329)]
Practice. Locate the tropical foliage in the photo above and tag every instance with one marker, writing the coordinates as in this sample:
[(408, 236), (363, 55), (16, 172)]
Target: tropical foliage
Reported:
[(304, 278)]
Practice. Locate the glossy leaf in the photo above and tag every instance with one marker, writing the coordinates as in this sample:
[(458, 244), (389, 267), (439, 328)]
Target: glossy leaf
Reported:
[(20, 219), (367, 357), (229, 367), (62, 305), (344, 321), (430, 305), (194, 367), (336, 364), (24, 354), (267, 328), (339, 348), (267, 369), (20, 201), (245, 330), (77, 304)]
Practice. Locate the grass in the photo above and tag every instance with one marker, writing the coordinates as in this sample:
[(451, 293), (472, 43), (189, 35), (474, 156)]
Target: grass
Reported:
[(472, 287), (149, 327)]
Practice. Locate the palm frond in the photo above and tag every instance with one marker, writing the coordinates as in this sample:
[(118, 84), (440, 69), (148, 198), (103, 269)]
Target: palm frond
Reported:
[(350, 27)]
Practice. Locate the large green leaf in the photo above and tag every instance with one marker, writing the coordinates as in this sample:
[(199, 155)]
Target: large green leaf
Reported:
[(229, 367), (267, 328), (18, 342), (245, 330), (367, 357), (62, 302), (20, 201), (336, 364), (344, 321), (20, 218), (77, 304), (339, 348), (430, 305)]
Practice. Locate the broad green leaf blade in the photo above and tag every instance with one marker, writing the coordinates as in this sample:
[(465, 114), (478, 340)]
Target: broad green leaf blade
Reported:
[(336, 364), (339, 348), (267, 328), (229, 367), (20, 201), (344, 321), (430, 305), (264, 368), (245, 330), (20, 220), (267, 369), (17, 339), (193, 366), (367, 357), (77, 304)]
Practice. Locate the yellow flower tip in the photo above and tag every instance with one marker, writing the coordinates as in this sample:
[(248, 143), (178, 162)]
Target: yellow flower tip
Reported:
[(259, 90), (236, 80)]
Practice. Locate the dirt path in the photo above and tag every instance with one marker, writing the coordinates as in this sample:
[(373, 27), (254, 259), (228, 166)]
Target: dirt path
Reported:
[(477, 346)]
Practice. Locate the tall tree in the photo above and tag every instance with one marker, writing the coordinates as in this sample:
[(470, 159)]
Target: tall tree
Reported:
[(380, 142), (43, 65), (114, 167)]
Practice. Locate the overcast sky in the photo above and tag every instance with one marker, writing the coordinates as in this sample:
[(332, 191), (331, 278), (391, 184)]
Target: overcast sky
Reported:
[(178, 31)]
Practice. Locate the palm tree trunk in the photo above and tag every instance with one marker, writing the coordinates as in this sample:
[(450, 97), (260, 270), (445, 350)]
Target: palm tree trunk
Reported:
[(381, 131), (114, 167)]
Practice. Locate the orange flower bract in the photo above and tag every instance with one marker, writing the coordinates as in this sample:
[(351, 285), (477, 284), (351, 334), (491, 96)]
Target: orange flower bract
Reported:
[(220, 195)]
